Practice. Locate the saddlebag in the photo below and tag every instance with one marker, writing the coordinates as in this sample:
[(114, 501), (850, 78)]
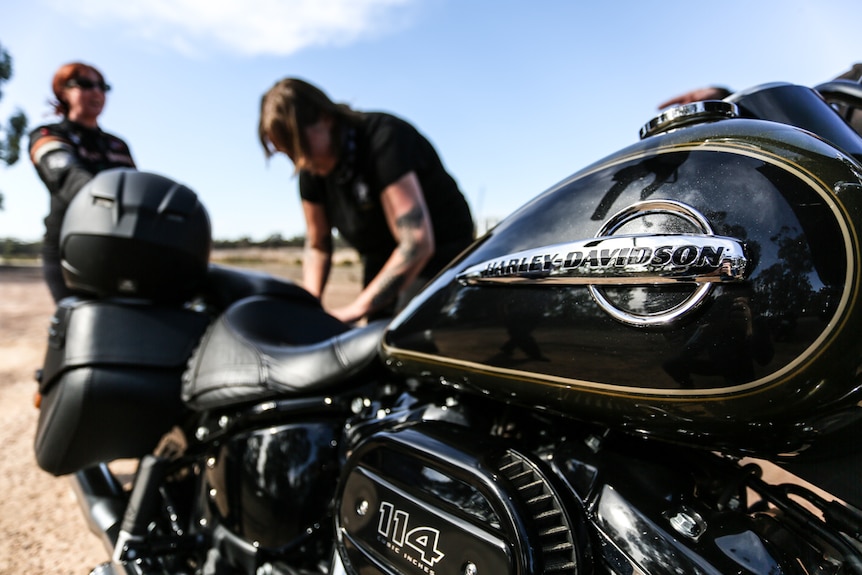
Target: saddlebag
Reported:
[(111, 380)]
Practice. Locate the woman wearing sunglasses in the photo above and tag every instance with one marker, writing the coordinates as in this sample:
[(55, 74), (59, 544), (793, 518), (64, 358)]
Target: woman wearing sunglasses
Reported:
[(69, 153)]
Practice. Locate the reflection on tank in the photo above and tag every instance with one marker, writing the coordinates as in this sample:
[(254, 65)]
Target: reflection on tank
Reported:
[(726, 346), (785, 285), (666, 170), (520, 316)]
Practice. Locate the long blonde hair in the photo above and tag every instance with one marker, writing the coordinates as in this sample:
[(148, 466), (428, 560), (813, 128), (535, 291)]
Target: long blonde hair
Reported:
[(292, 105)]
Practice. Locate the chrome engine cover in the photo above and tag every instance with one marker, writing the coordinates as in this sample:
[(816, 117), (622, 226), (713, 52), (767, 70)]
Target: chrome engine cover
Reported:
[(435, 498), (415, 501)]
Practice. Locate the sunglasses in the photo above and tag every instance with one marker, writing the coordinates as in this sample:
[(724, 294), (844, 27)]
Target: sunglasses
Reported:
[(86, 84)]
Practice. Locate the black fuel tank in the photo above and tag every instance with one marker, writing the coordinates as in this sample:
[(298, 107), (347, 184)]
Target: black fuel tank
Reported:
[(699, 286)]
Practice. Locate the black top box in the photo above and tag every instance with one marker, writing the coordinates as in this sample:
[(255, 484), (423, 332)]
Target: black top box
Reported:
[(135, 234)]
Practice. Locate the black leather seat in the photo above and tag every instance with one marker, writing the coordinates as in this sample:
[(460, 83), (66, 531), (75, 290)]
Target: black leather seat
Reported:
[(265, 346)]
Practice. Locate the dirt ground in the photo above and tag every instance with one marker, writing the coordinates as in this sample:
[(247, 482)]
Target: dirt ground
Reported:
[(42, 530)]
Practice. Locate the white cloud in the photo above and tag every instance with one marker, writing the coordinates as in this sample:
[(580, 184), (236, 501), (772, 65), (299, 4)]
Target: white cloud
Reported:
[(248, 27)]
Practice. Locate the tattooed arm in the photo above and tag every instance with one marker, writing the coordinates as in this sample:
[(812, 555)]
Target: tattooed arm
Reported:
[(317, 255), (410, 224)]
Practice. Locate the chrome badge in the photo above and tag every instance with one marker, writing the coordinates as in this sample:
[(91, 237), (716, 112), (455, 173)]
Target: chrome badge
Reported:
[(622, 255)]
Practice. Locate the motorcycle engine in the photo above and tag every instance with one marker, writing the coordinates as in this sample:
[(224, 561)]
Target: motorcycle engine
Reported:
[(413, 502), (440, 499)]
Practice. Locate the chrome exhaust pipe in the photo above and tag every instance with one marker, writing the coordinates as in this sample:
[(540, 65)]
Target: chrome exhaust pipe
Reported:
[(103, 500)]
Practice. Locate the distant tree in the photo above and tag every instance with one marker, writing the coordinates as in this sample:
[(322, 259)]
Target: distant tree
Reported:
[(15, 249), (11, 133)]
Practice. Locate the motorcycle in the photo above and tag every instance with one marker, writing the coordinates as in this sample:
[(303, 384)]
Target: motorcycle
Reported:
[(596, 386)]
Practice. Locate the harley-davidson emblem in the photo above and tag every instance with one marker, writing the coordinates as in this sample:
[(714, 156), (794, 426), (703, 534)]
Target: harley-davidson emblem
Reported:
[(618, 260), (627, 260)]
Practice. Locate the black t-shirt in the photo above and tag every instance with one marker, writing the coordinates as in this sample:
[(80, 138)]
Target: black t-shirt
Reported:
[(376, 152)]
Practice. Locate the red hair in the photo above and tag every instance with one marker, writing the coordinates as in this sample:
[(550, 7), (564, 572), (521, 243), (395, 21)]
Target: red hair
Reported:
[(71, 71)]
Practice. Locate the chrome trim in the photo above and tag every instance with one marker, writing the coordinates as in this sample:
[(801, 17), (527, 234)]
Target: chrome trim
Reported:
[(627, 260), (640, 320), (647, 207), (734, 257), (696, 112)]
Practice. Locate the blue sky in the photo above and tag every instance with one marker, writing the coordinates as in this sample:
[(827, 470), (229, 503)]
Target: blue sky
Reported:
[(516, 95)]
